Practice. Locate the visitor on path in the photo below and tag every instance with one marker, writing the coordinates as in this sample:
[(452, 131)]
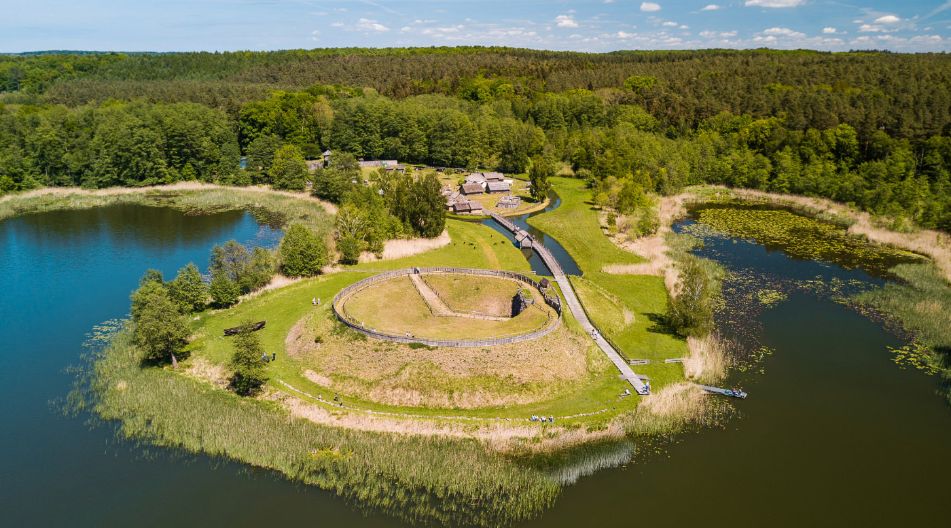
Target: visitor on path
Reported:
[(314, 301)]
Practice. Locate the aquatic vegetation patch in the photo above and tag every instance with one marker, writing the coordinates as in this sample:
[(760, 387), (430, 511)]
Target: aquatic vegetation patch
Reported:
[(769, 297), (920, 305), (803, 237), (915, 355)]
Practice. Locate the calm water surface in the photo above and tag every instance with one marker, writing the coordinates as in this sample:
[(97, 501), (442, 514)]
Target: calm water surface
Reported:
[(833, 433)]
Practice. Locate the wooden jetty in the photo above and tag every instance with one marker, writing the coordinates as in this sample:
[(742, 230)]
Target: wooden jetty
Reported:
[(724, 392)]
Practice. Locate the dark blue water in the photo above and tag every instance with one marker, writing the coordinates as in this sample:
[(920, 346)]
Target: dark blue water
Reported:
[(538, 265), (60, 274)]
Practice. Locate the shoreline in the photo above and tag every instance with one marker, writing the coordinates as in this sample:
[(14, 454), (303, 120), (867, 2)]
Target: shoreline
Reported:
[(10, 200)]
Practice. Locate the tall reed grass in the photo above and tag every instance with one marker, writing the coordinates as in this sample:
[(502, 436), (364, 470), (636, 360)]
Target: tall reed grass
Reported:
[(420, 479)]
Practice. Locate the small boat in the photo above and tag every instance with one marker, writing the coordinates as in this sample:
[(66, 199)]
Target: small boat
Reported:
[(254, 328)]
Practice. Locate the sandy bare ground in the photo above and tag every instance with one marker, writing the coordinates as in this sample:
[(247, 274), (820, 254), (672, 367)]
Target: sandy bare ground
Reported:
[(500, 434), (179, 186), (395, 249), (654, 248)]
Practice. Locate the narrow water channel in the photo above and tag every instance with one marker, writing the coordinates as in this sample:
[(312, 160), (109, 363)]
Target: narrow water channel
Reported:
[(538, 265)]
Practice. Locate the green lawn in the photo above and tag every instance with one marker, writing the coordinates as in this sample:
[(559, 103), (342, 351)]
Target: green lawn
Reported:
[(575, 225), (627, 308), (473, 245)]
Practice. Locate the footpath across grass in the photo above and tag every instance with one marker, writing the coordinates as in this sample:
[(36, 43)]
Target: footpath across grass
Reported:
[(627, 308)]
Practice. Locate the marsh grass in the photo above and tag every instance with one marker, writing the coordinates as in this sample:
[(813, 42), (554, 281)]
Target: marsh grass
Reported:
[(275, 208), (675, 408), (708, 360), (920, 303), (422, 479)]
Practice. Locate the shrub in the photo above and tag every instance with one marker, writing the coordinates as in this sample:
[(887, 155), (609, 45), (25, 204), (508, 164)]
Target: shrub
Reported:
[(303, 252), (224, 291)]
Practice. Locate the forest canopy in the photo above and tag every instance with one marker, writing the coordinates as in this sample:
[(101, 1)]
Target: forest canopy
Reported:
[(868, 128)]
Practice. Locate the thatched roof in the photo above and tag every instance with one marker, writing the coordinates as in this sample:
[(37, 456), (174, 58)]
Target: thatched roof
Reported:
[(498, 186), (472, 188)]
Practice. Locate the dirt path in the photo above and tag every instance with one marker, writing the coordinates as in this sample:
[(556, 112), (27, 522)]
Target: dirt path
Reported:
[(441, 309)]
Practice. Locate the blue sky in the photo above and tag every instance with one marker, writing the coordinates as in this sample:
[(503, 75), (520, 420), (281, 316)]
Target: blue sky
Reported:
[(593, 25)]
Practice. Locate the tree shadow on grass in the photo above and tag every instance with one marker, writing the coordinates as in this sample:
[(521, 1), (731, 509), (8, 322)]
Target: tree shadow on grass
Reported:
[(660, 325)]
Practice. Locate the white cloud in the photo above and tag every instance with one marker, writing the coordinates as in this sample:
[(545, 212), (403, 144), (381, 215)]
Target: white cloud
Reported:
[(337, 24), (669, 24), (887, 19), (315, 35), (722, 34), (774, 3), (782, 32), (565, 21), (371, 25), (828, 30), (650, 7), (625, 35), (710, 7)]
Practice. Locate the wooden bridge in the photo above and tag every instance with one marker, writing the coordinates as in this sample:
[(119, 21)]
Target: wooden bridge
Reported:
[(577, 310)]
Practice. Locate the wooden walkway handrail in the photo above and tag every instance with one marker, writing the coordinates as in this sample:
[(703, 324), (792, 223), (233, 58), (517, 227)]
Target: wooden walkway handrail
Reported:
[(577, 309)]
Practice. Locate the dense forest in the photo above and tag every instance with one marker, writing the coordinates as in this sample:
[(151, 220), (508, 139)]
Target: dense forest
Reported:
[(868, 128)]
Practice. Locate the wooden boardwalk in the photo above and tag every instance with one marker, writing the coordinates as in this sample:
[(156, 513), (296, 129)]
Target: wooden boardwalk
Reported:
[(577, 310)]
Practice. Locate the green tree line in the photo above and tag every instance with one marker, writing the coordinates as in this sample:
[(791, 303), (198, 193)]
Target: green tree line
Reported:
[(872, 129)]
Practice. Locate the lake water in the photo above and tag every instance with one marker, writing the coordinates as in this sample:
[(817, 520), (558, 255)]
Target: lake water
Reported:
[(833, 433)]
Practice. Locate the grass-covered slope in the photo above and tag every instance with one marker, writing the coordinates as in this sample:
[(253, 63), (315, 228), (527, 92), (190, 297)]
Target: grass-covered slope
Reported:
[(627, 308)]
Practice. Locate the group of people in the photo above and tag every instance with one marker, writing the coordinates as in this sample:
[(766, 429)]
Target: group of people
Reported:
[(536, 418), (268, 358)]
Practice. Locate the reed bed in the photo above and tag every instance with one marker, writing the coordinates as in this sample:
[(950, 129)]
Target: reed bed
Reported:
[(708, 360), (419, 479), (277, 208)]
